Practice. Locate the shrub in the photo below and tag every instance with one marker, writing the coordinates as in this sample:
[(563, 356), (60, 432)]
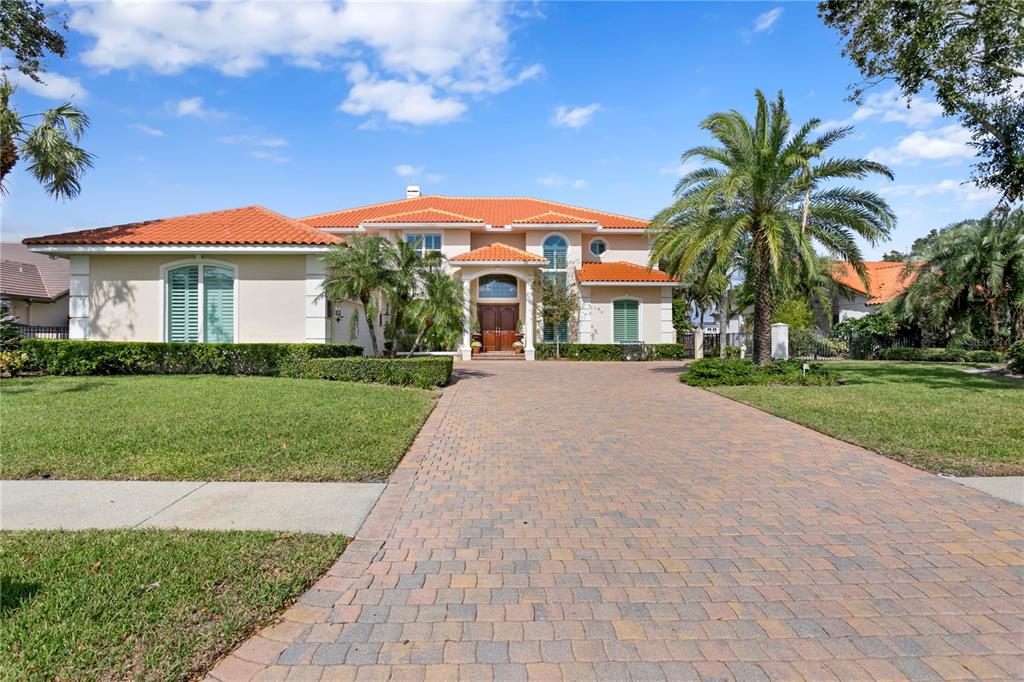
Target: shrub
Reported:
[(422, 372), (12, 362), (612, 351), (923, 354), (731, 372), (65, 357), (1016, 355), (983, 356)]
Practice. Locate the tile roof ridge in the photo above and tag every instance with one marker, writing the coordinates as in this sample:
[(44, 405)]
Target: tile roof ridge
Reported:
[(423, 210)]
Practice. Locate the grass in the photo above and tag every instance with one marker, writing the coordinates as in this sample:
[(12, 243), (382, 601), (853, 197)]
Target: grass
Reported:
[(205, 428), (934, 417), (143, 604)]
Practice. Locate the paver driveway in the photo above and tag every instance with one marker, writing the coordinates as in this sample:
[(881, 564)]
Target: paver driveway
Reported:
[(580, 521)]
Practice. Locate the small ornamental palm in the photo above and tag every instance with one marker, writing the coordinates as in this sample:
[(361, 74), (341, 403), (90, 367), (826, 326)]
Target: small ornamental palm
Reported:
[(767, 184), (970, 277), (360, 272), (50, 148), (439, 309)]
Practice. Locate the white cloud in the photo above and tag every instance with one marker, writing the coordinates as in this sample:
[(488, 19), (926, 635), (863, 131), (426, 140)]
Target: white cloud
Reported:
[(574, 117), (682, 168), (264, 155), (964, 191), (54, 85), (399, 101), (579, 184), (766, 20), (891, 107), (193, 106), (408, 171), (946, 143), (430, 54), (254, 140), (146, 130)]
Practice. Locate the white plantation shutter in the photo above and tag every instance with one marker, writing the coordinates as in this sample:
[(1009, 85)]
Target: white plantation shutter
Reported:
[(183, 304), (219, 304), (626, 321)]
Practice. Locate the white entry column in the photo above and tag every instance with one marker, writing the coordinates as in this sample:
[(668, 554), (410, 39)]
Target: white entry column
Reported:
[(317, 321), (467, 321), (79, 313), (531, 321)]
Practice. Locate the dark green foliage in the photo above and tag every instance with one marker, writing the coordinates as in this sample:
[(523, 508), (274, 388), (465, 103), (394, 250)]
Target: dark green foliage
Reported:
[(984, 356), (1016, 355), (10, 333), (27, 34), (423, 372), (923, 354), (733, 372), (65, 357), (612, 351)]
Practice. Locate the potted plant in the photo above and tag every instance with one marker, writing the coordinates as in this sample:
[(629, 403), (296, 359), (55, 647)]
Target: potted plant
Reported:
[(517, 346), (477, 334), (519, 330), (477, 347)]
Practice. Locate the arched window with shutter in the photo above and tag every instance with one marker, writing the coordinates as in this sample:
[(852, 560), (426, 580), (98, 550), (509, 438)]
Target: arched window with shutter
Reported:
[(200, 303)]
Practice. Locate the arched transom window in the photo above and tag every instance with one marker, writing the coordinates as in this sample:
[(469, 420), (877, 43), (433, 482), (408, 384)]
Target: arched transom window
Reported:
[(200, 304), (498, 286)]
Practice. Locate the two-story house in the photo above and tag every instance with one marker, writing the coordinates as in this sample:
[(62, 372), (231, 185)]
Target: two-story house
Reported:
[(251, 275)]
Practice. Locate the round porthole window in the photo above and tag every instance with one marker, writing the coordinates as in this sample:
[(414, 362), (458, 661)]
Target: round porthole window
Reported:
[(598, 247)]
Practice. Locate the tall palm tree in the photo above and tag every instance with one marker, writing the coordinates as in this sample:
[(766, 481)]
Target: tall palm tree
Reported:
[(970, 277), (50, 147), (360, 272), (763, 178), (439, 308), (408, 269)]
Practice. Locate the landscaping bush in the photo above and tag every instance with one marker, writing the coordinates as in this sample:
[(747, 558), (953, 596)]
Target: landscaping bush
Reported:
[(923, 354), (422, 372), (732, 372), (1016, 355), (984, 356), (66, 357), (611, 351)]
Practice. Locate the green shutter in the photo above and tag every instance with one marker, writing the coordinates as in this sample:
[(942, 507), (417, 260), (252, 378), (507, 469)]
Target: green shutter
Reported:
[(219, 307), (626, 319), (183, 304)]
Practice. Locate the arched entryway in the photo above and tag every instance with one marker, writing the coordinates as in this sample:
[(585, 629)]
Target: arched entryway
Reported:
[(500, 310)]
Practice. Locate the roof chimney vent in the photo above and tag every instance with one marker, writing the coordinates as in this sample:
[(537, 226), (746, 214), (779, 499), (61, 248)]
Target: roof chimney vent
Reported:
[(412, 191)]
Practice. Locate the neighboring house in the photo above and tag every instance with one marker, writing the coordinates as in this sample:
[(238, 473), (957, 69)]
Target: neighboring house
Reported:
[(885, 282), (249, 274), (33, 286)]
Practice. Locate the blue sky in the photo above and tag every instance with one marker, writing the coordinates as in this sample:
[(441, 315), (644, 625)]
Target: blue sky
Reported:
[(306, 108)]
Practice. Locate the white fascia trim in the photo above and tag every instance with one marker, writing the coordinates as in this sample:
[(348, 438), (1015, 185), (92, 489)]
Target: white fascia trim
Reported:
[(274, 249), (621, 230), (554, 226), (629, 284), (417, 226), (460, 263)]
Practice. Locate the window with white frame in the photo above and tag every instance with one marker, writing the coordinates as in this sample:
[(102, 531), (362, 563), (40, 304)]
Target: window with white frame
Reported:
[(625, 320), (556, 251), (424, 243), (598, 247), (200, 304)]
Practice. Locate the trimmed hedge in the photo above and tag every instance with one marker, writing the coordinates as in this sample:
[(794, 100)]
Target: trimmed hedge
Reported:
[(68, 357), (734, 372), (423, 372), (940, 355), (611, 351), (1016, 355)]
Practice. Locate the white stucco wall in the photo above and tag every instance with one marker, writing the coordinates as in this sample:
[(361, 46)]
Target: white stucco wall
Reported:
[(621, 247), (601, 312), (41, 313), (126, 297), (514, 239)]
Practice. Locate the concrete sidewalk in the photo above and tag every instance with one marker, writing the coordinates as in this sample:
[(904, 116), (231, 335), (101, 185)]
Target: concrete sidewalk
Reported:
[(298, 506), (1009, 488)]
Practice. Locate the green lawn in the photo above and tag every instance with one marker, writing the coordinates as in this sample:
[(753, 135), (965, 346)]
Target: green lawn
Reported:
[(143, 604), (205, 428), (931, 416)]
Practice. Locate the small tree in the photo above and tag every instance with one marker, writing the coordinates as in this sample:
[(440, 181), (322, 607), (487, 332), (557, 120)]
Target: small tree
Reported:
[(438, 311), (558, 304), (359, 272)]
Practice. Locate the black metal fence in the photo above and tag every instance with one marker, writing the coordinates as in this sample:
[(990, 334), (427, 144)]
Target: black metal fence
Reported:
[(28, 331)]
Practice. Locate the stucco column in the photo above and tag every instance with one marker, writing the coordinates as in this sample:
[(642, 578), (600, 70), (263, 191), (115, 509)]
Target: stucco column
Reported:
[(467, 321), (79, 292), (531, 320), (586, 325), (317, 330), (780, 341), (668, 331), (698, 343)]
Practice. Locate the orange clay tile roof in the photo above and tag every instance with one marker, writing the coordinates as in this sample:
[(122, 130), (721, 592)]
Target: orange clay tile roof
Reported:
[(618, 271), (552, 217), (886, 280), (248, 225), (490, 210), (498, 252), (429, 215)]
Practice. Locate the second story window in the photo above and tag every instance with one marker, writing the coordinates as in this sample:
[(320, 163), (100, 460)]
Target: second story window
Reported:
[(424, 243)]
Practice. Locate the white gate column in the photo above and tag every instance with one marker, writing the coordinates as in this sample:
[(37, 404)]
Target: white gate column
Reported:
[(531, 319), (467, 322)]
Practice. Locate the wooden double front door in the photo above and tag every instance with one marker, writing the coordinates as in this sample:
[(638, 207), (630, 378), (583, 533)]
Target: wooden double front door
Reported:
[(498, 325)]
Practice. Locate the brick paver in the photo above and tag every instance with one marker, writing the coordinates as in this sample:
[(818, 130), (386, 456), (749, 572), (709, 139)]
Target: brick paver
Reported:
[(602, 521)]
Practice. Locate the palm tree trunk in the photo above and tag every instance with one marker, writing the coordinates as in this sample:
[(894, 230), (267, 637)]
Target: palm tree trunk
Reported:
[(763, 303), (723, 321), (371, 324), (419, 338)]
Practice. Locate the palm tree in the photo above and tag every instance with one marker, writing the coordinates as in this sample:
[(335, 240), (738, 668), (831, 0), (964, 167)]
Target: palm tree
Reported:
[(763, 177), (51, 147), (408, 269), (970, 276), (360, 272), (439, 308)]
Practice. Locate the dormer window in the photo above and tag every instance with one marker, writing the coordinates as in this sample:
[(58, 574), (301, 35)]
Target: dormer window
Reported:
[(424, 243)]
